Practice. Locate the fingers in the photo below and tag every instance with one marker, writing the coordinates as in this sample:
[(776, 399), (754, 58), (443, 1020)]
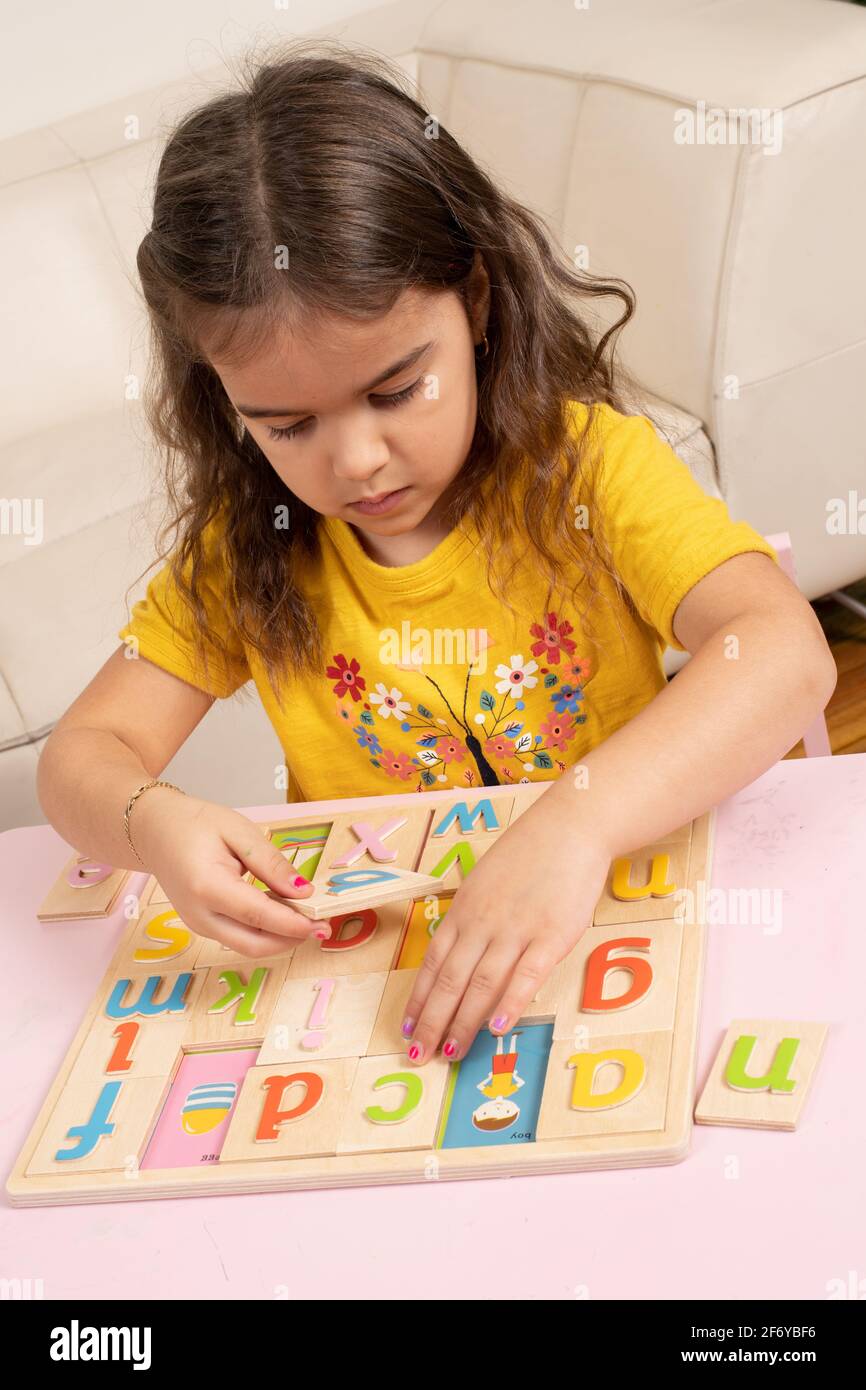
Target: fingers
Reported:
[(256, 852), (238, 901), (455, 996), (529, 974), (462, 988), (240, 939), (434, 957)]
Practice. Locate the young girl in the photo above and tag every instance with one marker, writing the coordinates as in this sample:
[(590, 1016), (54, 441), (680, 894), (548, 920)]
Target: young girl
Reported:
[(409, 504)]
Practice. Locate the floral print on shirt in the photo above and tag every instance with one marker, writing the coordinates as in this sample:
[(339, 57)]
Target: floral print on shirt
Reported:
[(431, 744)]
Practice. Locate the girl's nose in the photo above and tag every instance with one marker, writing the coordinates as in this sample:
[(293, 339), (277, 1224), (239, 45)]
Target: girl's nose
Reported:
[(358, 452)]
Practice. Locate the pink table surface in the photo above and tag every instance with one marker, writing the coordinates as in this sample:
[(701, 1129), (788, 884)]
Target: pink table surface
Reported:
[(748, 1214)]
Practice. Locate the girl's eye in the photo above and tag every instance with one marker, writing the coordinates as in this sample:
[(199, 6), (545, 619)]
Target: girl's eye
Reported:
[(284, 433), (287, 431), (399, 395)]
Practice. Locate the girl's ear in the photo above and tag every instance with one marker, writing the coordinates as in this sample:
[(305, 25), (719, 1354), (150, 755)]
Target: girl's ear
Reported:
[(478, 297)]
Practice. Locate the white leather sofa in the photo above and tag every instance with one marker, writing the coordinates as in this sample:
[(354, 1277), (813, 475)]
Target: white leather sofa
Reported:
[(748, 265)]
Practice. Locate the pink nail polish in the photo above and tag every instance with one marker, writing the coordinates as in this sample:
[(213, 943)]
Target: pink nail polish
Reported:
[(499, 1022), (414, 1052), (408, 1027), (323, 935), (300, 881), (450, 1048)]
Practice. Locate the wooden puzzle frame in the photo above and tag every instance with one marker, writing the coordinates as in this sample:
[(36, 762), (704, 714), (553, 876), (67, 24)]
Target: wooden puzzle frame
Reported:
[(610, 1147)]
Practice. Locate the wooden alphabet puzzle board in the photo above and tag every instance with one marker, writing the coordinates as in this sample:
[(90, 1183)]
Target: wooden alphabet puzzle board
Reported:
[(200, 1071)]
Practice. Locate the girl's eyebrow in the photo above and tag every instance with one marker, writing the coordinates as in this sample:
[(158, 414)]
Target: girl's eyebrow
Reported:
[(264, 412)]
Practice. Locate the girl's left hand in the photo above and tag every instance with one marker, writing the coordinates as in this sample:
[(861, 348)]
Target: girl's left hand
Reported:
[(518, 913)]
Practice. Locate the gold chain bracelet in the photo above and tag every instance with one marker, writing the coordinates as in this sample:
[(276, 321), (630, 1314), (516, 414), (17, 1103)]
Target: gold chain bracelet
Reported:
[(155, 782)]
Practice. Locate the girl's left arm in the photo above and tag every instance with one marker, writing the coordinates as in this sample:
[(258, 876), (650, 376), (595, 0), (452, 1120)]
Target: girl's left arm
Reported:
[(760, 672)]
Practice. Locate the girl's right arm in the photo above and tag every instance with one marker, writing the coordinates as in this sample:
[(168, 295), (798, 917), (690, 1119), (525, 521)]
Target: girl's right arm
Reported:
[(122, 730)]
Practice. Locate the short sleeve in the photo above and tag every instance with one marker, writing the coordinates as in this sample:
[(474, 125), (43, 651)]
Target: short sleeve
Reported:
[(163, 626), (663, 531)]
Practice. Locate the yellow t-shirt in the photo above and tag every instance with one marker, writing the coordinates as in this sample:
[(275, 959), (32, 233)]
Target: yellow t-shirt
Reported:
[(495, 698)]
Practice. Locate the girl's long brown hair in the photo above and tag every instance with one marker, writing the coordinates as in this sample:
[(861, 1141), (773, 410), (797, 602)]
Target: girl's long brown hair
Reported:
[(320, 185)]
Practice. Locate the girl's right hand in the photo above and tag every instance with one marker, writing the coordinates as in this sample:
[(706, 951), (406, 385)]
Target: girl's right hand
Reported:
[(199, 852)]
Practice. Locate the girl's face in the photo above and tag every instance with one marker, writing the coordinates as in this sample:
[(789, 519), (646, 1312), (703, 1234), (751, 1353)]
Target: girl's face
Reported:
[(367, 422)]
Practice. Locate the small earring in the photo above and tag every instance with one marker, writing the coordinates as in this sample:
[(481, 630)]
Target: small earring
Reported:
[(486, 346)]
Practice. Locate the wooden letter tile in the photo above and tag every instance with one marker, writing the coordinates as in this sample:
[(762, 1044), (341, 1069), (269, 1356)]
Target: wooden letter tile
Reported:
[(344, 889), (470, 815), (393, 1104), (237, 1001), (154, 993), (618, 1084), (290, 1110), (160, 940), (645, 885), (363, 940), (323, 1016), (452, 858), (100, 1126), (132, 1047), (588, 990), (85, 888), (375, 839), (761, 1074)]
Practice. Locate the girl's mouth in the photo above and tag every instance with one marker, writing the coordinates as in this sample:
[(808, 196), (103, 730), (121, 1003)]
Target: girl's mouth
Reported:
[(384, 503)]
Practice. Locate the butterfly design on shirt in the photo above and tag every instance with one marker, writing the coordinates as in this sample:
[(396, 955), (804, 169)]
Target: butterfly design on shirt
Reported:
[(438, 739)]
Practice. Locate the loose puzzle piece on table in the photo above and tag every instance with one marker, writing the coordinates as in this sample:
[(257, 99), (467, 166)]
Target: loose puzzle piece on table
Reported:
[(762, 1074), (85, 888)]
